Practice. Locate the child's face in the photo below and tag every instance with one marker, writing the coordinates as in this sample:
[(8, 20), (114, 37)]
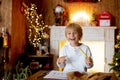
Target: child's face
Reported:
[(73, 36)]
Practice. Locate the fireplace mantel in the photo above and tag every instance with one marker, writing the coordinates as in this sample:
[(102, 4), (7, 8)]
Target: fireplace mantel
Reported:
[(105, 34)]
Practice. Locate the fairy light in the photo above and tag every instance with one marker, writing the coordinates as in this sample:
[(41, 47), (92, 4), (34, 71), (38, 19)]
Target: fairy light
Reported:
[(35, 24)]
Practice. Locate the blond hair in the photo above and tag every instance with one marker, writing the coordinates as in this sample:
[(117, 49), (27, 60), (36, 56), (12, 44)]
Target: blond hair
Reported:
[(75, 27)]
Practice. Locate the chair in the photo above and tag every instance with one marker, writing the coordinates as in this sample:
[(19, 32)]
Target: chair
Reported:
[(61, 44)]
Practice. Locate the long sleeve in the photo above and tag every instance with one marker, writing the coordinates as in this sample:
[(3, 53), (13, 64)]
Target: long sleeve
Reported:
[(76, 61), (88, 52), (61, 53)]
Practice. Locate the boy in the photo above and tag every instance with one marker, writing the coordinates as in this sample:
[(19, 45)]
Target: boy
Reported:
[(74, 56)]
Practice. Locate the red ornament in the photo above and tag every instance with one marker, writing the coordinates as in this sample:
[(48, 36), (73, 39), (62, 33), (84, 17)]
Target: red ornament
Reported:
[(22, 10)]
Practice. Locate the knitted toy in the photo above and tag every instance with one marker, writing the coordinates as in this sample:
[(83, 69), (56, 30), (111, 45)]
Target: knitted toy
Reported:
[(93, 76)]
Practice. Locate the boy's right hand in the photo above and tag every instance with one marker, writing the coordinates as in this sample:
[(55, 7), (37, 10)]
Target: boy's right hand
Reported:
[(62, 59)]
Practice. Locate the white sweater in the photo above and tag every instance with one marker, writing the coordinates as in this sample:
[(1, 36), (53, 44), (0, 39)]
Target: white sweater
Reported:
[(76, 60)]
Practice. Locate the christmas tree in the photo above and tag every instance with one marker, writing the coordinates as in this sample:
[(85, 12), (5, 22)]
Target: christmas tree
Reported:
[(115, 65), (36, 26)]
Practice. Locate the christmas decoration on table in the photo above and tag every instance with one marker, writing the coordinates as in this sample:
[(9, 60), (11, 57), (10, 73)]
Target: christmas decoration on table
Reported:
[(60, 14), (115, 65), (36, 26)]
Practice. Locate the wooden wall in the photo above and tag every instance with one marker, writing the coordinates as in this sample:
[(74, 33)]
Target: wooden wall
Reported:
[(16, 21), (18, 31)]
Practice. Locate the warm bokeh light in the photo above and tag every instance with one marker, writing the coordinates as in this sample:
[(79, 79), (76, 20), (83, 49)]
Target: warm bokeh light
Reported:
[(81, 13), (81, 17)]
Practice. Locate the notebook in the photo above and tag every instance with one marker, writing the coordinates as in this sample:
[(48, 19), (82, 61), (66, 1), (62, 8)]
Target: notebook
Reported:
[(56, 75)]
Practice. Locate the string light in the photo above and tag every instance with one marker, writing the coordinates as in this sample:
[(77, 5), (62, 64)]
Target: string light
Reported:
[(36, 25), (115, 64)]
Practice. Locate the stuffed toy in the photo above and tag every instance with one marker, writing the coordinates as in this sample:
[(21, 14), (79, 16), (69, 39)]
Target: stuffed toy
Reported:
[(102, 76), (92, 76), (77, 76)]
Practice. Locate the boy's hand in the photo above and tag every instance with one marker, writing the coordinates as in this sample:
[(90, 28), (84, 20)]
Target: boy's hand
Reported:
[(62, 59), (89, 61)]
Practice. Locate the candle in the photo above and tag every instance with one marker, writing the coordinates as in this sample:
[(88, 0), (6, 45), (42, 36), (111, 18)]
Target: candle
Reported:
[(5, 36), (5, 40)]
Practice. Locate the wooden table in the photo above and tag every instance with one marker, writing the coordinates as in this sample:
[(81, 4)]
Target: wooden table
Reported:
[(38, 75)]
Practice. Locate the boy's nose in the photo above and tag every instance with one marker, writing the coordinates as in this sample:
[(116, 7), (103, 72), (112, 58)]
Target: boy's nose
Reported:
[(72, 34)]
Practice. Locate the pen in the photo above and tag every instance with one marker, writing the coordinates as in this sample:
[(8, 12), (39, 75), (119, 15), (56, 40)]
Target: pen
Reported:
[(84, 53)]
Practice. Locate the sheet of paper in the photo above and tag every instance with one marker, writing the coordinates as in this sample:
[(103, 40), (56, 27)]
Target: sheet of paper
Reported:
[(56, 75)]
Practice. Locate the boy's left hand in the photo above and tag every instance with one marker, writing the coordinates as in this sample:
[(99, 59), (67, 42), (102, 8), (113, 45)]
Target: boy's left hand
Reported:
[(89, 61)]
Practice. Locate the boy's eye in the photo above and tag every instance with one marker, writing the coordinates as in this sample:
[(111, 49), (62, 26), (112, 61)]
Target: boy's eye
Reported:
[(72, 33), (75, 32), (69, 33)]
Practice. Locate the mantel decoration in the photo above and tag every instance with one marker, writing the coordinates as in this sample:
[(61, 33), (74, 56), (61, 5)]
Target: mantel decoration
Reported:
[(115, 65), (61, 15), (36, 26)]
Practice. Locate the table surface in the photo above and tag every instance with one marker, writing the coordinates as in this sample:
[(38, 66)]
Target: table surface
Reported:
[(38, 75)]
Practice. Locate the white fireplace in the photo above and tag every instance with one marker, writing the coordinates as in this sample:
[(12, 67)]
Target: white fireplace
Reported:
[(99, 39)]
